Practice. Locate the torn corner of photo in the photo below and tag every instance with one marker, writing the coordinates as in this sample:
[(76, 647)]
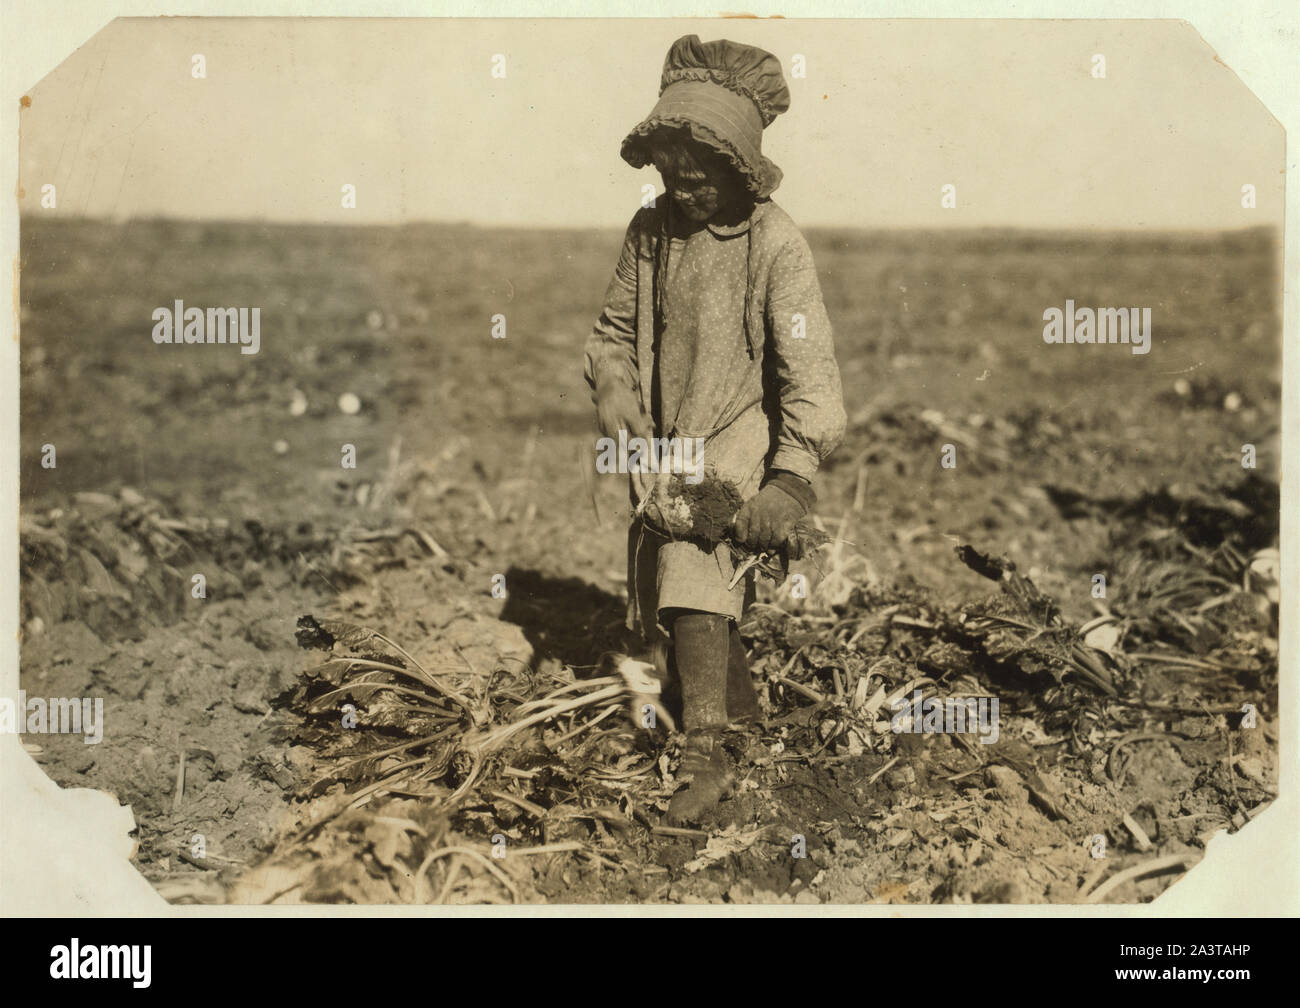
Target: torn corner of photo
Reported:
[(68, 851)]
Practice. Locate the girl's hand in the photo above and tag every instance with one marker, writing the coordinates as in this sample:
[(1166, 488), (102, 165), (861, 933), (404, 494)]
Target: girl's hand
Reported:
[(765, 521), (619, 408)]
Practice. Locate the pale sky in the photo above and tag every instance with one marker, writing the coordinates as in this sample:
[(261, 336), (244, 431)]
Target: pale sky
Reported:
[(408, 112)]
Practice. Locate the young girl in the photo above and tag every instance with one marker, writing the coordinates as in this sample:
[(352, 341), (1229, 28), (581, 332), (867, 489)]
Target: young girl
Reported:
[(714, 328)]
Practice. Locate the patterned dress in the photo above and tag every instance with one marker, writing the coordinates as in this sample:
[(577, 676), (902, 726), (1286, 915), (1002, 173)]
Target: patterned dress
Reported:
[(723, 334)]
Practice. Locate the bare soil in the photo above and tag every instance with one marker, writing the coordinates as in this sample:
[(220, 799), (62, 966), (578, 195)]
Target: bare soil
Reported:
[(1072, 460)]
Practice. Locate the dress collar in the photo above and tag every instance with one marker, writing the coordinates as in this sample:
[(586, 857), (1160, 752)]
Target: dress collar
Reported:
[(729, 230), (721, 230)]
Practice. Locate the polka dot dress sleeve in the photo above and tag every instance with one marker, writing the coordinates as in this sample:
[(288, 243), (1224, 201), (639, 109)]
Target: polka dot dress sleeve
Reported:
[(611, 347), (807, 376)]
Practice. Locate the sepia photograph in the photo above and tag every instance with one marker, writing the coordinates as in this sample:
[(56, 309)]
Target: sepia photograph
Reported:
[(668, 462)]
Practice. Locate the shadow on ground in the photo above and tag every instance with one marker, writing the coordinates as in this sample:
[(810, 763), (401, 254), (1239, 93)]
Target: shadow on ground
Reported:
[(564, 618)]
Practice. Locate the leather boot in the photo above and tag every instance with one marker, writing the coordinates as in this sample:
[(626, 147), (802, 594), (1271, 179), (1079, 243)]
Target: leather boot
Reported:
[(700, 646), (706, 775), (742, 700)]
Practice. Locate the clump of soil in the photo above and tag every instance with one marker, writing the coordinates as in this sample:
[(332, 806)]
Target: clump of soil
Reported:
[(703, 512)]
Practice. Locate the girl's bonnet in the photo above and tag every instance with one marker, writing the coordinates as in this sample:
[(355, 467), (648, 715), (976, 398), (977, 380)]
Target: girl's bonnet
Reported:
[(725, 93)]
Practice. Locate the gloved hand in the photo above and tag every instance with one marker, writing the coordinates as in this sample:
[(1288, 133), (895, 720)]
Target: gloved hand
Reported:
[(765, 521), (618, 407)]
